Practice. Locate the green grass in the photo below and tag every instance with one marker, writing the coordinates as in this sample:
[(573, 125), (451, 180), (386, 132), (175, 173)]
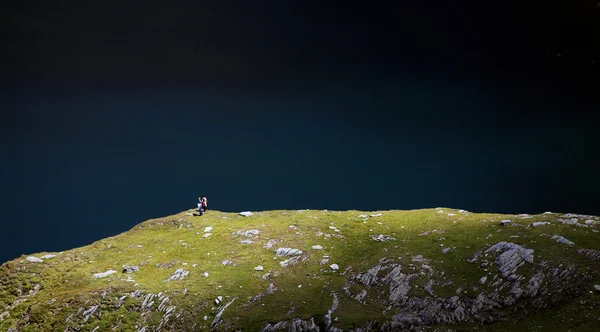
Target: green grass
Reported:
[(67, 284)]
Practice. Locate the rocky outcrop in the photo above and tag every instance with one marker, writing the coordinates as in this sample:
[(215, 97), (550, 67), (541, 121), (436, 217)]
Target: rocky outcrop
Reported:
[(295, 324)]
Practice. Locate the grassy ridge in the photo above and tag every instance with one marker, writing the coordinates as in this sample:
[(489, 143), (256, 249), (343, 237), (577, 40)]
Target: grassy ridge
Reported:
[(303, 290)]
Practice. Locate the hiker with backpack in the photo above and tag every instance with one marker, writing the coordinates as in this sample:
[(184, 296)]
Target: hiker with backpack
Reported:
[(200, 205), (204, 202)]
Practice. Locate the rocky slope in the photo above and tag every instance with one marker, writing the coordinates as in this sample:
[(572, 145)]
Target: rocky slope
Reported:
[(421, 270)]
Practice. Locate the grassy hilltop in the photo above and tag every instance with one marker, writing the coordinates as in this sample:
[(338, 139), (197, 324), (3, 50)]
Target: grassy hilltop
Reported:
[(425, 270)]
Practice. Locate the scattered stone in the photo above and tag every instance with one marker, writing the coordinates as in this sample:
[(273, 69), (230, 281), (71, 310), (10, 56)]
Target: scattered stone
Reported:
[(246, 241), (249, 233), (269, 244), (451, 214), (34, 259), (540, 223), (228, 262), (131, 268), (104, 274), (334, 267), (376, 215), (207, 234), (218, 300), (482, 280), (597, 288), (207, 229), (89, 312), (178, 275), (505, 222), (317, 247), (362, 216), (246, 213), (258, 268), (561, 239), (381, 238), (447, 249), (48, 256), (288, 252), (205, 274)]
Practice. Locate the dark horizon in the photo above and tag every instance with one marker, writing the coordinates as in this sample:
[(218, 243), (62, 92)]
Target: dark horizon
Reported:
[(113, 114)]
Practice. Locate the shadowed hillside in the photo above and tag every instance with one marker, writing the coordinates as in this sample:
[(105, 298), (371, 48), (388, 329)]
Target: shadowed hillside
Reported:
[(311, 270)]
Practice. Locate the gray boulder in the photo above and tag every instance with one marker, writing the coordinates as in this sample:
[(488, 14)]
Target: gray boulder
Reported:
[(131, 268), (561, 239)]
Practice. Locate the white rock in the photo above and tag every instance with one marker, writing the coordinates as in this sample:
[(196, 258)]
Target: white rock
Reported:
[(505, 222), (288, 252), (259, 268), (561, 239), (207, 234), (451, 214), (597, 288), (317, 247), (360, 216), (248, 233), (376, 215), (104, 274), (178, 275), (205, 274), (246, 213), (540, 223), (34, 259), (48, 256), (207, 229), (334, 267), (482, 280)]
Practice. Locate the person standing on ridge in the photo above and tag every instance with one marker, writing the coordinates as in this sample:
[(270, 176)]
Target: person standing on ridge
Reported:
[(204, 202), (200, 205)]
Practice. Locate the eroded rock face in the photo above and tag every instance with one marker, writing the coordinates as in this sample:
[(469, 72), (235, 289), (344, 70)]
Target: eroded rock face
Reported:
[(589, 253), (510, 257), (295, 324), (391, 285)]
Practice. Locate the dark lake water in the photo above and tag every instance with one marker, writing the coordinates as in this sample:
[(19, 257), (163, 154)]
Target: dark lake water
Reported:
[(81, 166)]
